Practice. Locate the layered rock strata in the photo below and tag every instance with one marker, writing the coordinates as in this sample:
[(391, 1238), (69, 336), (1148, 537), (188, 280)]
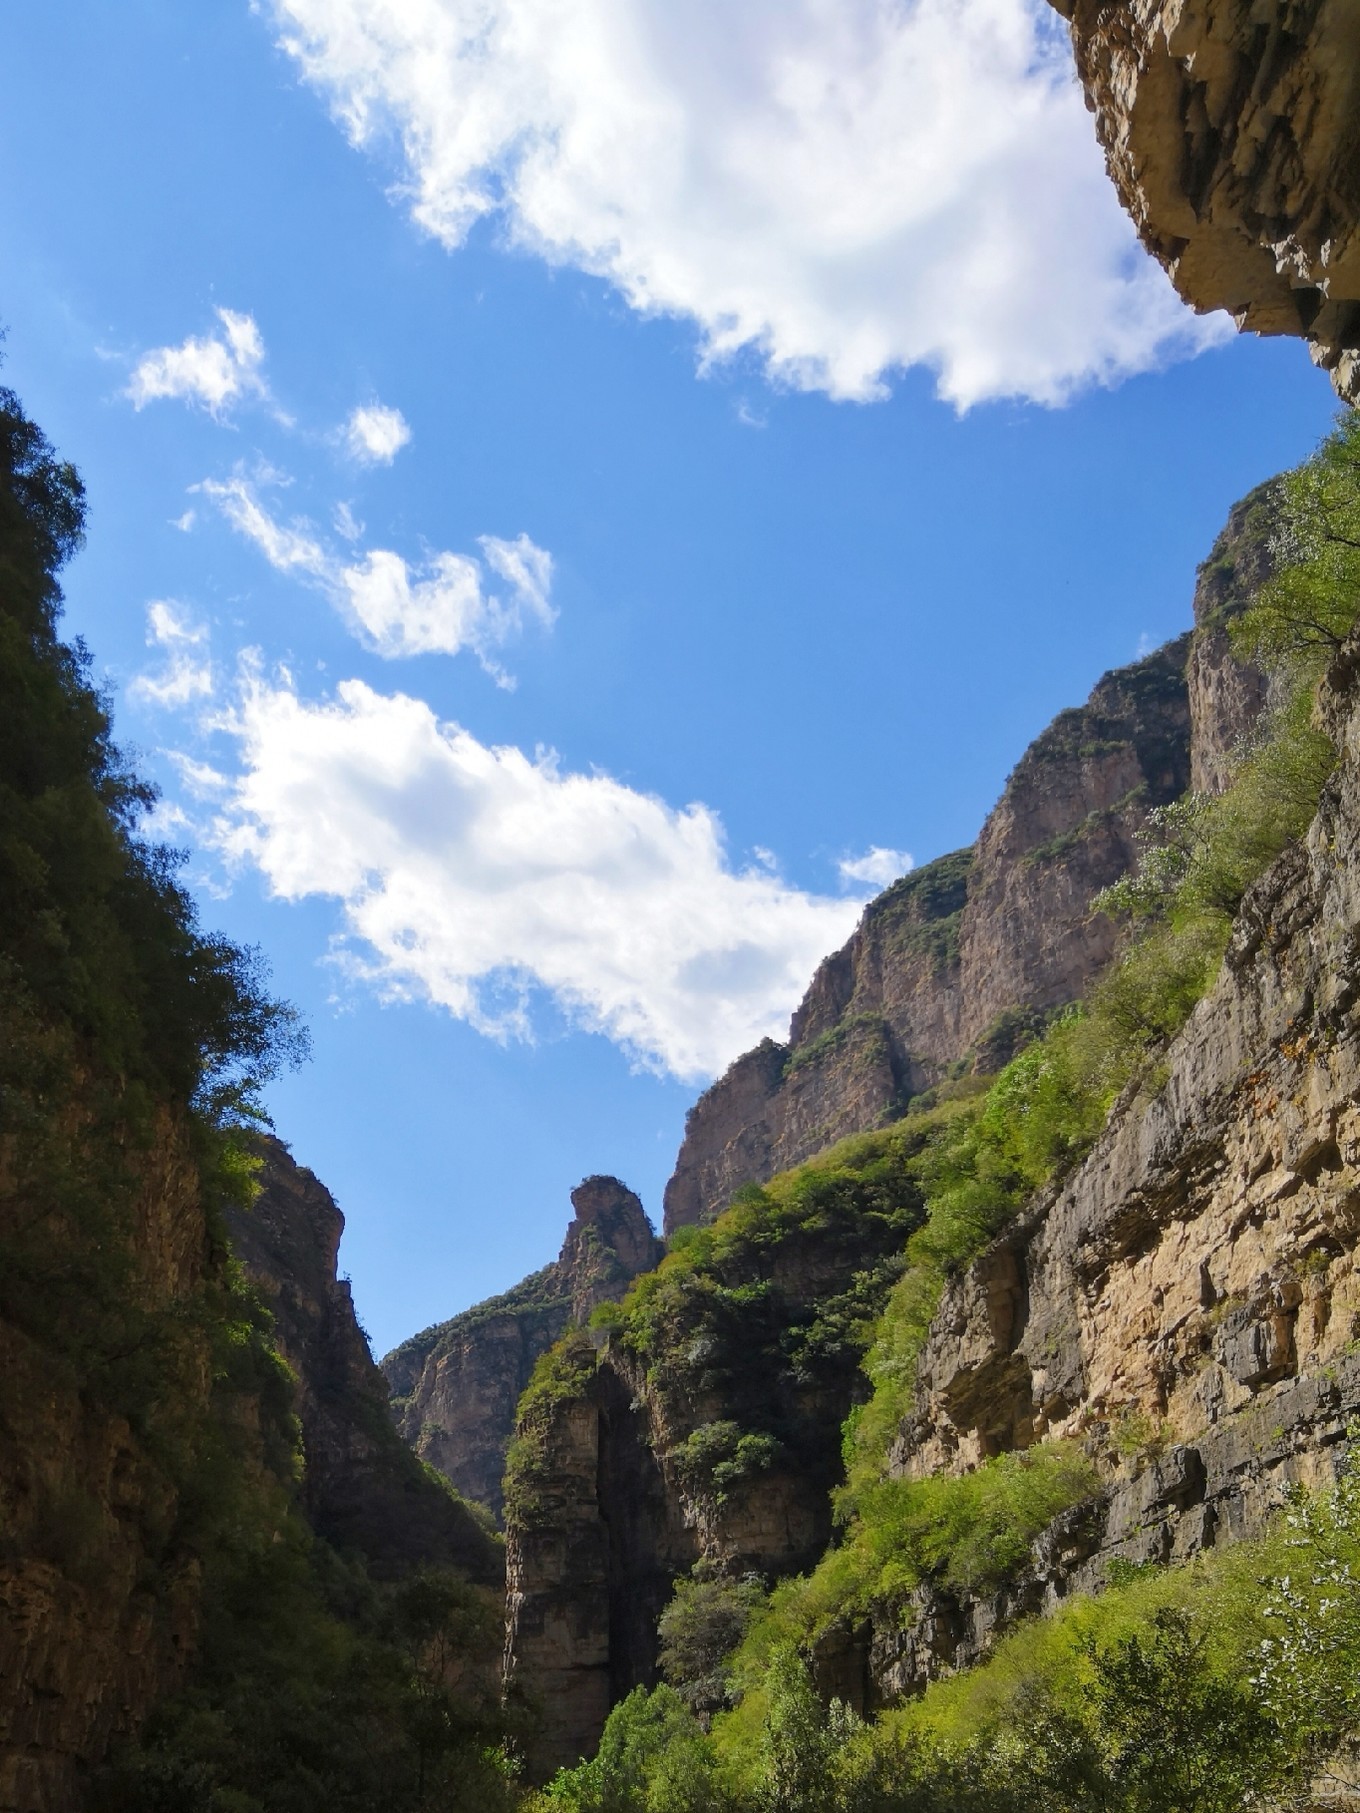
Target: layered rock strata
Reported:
[(959, 960), (455, 1387), (1232, 133), (1190, 1296)]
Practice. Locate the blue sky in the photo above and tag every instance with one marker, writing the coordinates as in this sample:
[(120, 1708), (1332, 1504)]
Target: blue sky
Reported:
[(761, 433)]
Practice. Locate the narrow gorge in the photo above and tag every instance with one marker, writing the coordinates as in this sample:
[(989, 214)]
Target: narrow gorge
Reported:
[(1000, 1342)]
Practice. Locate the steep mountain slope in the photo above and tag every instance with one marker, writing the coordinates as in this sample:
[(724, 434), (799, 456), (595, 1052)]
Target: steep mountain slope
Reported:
[(363, 1489), (455, 1387), (958, 960), (152, 1513), (702, 1423)]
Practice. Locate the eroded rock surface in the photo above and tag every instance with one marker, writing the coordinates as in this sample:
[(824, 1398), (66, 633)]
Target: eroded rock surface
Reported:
[(363, 1489), (1187, 1301), (1231, 130), (455, 1387), (959, 960), (959, 957)]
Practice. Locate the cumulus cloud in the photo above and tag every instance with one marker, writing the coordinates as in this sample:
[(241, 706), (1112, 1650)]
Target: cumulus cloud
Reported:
[(215, 371), (375, 434), (845, 187), (876, 868), (442, 606), (186, 673), (477, 878)]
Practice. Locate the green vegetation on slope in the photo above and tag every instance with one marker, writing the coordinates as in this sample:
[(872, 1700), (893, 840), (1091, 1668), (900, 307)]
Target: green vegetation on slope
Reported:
[(133, 1046), (1207, 1689), (1176, 1692)]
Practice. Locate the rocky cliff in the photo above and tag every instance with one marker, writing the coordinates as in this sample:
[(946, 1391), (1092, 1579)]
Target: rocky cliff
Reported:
[(713, 1397), (955, 963), (153, 1502), (455, 1387), (1232, 133), (98, 1592), (362, 1488), (1187, 1301), (704, 1424)]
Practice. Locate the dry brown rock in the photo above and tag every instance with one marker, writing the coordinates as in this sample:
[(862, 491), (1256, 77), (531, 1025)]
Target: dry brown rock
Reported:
[(1231, 130), (960, 957)]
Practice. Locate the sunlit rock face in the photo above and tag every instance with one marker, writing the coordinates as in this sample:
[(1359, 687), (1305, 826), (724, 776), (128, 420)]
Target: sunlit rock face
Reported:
[(1232, 132), (954, 962)]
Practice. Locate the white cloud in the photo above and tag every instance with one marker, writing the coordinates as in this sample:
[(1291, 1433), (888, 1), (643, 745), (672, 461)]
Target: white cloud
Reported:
[(440, 607), (876, 868), (375, 434), (186, 674), (475, 877), (216, 371), (846, 187)]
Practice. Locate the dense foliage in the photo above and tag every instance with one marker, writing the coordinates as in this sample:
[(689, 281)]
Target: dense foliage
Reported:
[(1230, 1685), (133, 1046)]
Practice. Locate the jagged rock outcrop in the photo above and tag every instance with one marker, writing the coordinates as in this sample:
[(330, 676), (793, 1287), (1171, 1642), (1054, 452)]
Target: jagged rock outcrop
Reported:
[(1192, 1291), (959, 955), (1227, 695), (455, 1387), (363, 1489), (722, 1445), (1232, 133), (959, 960)]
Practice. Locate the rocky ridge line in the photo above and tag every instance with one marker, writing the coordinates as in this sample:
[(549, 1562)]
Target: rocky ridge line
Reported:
[(455, 1386), (955, 962)]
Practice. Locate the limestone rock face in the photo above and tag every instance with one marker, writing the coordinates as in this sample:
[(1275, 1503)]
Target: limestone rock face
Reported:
[(363, 1490), (1187, 1299), (1231, 130), (960, 957), (456, 1386), (1227, 695)]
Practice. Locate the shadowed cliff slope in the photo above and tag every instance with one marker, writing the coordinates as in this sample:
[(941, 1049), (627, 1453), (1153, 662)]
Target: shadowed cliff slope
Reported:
[(720, 1388), (455, 1387)]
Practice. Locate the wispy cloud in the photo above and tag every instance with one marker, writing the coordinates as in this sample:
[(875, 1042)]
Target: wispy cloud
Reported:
[(215, 370), (876, 868), (185, 676), (443, 605), (844, 188), (374, 434), (480, 879)]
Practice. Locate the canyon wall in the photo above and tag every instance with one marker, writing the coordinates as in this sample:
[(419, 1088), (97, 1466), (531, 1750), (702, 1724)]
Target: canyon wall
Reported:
[(98, 1597), (455, 1387), (363, 1489), (1187, 1302), (995, 931), (956, 962), (1232, 132)]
